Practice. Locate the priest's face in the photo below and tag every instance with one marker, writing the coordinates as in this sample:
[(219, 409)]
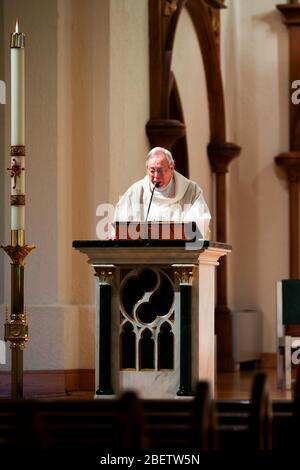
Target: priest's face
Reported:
[(159, 170)]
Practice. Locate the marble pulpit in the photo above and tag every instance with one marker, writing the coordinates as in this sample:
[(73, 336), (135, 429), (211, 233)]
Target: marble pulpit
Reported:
[(154, 315)]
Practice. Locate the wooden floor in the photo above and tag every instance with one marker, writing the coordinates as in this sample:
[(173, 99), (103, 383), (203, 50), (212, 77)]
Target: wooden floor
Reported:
[(229, 386), (233, 386), (237, 385)]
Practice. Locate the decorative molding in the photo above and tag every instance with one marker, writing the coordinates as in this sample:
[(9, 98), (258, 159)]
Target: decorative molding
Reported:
[(290, 12), (212, 256), (15, 171), (164, 132), (105, 273), (18, 253), (290, 163), (184, 273), (134, 314), (165, 254), (17, 200), (221, 154), (17, 151), (16, 331), (140, 313)]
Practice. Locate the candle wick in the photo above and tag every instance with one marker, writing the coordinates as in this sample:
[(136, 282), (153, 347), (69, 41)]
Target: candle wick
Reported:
[(17, 26)]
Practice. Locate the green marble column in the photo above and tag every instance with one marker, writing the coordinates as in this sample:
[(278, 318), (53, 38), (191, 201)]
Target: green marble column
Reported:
[(185, 274), (105, 275)]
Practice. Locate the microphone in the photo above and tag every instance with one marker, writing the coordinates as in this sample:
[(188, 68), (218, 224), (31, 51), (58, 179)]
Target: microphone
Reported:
[(156, 185)]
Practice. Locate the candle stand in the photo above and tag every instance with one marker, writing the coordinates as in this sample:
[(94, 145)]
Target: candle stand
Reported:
[(16, 327)]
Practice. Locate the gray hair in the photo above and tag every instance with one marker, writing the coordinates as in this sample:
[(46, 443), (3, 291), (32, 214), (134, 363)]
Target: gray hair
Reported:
[(160, 150)]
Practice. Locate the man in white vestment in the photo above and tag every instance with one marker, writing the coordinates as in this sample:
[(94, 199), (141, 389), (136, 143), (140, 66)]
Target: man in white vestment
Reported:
[(164, 195)]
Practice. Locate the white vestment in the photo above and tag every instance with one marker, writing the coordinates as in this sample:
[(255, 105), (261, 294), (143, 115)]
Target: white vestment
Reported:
[(181, 201)]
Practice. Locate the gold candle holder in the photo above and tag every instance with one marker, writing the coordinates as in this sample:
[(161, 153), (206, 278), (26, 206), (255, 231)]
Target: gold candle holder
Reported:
[(17, 40), (16, 326)]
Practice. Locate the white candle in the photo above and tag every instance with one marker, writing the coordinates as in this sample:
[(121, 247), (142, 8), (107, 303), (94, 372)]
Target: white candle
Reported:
[(17, 46)]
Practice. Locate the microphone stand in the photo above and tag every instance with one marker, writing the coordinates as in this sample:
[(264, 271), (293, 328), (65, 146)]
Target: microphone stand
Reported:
[(156, 185)]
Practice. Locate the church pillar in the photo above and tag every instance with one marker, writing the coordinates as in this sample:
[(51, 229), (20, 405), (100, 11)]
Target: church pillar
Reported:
[(164, 132), (220, 156), (290, 161)]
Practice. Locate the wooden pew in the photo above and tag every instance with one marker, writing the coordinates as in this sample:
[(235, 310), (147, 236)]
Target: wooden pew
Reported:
[(247, 424), (282, 425), (70, 426), (8, 424), (131, 423), (182, 423)]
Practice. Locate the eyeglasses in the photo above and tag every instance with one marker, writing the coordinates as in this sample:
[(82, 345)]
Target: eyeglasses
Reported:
[(158, 171)]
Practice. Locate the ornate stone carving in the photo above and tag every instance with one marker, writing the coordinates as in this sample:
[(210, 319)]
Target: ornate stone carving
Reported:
[(15, 171), (18, 253), (105, 273), (16, 331), (184, 273), (155, 289)]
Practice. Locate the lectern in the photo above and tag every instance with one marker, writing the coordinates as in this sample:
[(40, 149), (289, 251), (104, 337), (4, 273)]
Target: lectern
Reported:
[(154, 314)]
